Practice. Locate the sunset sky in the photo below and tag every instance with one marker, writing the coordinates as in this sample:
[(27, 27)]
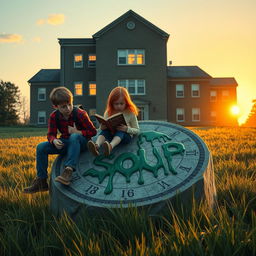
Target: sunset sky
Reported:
[(219, 36)]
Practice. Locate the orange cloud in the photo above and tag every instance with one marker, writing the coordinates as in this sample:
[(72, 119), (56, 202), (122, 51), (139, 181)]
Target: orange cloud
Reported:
[(37, 39), (53, 19), (10, 38)]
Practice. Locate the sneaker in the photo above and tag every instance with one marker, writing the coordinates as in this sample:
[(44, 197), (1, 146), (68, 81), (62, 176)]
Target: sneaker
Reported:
[(65, 177), (93, 148), (38, 185), (107, 148)]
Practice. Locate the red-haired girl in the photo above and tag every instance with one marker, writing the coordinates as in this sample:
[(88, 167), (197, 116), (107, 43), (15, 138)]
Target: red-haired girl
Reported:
[(119, 100)]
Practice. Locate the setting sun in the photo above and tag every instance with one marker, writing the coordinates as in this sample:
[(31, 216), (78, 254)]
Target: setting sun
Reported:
[(235, 110)]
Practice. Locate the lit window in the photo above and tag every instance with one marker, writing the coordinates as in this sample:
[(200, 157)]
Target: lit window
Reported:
[(195, 92), (91, 60), (78, 60), (213, 95), (131, 57), (179, 90), (195, 114), (225, 95), (180, 116), (41, 117), (92, 88), (213, 116), (78, 88), (41, 94), (134, 86)]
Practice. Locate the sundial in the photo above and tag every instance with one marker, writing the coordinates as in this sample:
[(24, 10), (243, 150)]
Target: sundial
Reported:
[(163, 160)]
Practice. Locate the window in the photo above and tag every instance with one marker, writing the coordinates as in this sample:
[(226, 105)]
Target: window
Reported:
[(134, 86), (78, 88), (195, 92), (179, 90), (213, 96), (78, 60), (131, 57), (195, 114), (41, 117), (180, 116), (92, 88), (213, 116), (225, 95), (41, 94), (92, 60)]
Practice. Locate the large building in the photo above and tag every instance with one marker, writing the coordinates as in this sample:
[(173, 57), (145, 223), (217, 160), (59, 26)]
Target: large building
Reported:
[(132, 52)]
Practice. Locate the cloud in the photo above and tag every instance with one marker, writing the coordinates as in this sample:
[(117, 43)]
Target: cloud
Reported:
[(53, 19), (37, 39), (10, 38)]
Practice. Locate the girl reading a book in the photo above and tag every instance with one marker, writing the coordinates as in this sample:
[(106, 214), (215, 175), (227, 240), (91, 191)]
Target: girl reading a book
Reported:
[(119, 101)]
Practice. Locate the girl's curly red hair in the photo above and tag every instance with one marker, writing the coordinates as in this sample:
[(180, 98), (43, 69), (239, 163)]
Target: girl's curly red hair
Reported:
[(114, 95)]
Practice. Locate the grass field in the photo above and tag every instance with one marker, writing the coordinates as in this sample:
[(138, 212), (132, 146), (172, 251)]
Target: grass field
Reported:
[(28, 228)]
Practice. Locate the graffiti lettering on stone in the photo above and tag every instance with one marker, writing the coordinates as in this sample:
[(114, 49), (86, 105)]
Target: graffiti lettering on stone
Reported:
[(138, 161)]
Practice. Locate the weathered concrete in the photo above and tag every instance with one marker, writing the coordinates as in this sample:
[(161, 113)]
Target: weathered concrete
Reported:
[(165, 160)]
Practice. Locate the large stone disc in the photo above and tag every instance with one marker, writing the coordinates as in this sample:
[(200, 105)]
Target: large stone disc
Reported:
[(163, 161)]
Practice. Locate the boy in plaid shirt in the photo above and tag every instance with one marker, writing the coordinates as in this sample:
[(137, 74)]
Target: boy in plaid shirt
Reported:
[(76, 129)]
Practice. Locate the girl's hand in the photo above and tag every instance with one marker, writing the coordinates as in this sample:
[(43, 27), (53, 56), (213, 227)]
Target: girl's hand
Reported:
[(122, 128), (58, 143), (103, 127)]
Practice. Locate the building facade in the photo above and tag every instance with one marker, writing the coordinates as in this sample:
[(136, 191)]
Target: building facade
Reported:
[(132, 52)]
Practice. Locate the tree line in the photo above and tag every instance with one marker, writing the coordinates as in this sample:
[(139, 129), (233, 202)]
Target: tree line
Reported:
[(12, 105), (251, 119)]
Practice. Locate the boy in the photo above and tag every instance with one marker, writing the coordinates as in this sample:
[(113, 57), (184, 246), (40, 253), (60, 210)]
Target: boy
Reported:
[(76, 129)]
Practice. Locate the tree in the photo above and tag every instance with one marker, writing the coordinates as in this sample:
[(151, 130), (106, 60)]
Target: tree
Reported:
[(251, 119), (24, 111), (9, 103)]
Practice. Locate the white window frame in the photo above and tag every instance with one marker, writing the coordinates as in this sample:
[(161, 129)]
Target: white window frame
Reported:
[(78, 64), (213, 95), (180, 111), (225, 95), (41, 114), (92, 63), (125, 54), (196, 111), (213, 116), (193, 86), (89, 89), (136, 83), (179, 89), (43, 92), (76, 83)]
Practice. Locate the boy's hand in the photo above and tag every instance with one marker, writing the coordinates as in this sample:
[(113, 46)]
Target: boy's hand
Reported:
[(73, 129), (58, 143), (122, 128)]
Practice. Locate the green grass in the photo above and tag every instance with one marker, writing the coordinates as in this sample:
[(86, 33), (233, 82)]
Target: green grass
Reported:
[(27, 226), (21, 131)]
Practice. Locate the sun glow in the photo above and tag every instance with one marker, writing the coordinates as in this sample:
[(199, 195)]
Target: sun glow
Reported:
[(235, 110)]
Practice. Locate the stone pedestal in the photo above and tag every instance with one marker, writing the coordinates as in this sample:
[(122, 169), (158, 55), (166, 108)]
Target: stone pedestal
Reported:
[(165, 160)]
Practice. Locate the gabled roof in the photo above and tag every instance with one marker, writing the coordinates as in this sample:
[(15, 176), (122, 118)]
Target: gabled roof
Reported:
[(186, 72), (223, 81), (136, 16), (46, 75)]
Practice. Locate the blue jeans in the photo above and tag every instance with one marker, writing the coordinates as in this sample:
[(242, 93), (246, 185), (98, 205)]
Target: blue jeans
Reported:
[(75, 144), (124, 136)]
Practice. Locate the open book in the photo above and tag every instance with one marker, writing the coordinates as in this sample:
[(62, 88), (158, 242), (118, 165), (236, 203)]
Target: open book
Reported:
[(111, 122)]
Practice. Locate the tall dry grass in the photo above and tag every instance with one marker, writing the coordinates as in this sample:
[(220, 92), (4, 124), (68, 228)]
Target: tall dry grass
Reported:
[(28, 228)]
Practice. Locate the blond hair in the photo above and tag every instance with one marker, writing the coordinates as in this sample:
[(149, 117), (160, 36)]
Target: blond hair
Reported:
[(60, 95)]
